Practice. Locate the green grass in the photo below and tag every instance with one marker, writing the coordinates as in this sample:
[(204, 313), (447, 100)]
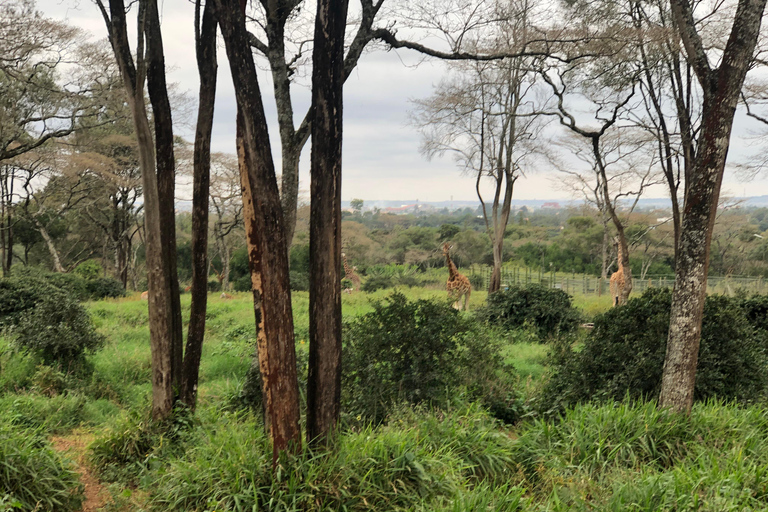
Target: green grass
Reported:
[(611, 457)]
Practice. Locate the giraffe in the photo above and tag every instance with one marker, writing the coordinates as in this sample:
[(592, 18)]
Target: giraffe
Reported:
[(618, 281), (351, 274), (458, 284)]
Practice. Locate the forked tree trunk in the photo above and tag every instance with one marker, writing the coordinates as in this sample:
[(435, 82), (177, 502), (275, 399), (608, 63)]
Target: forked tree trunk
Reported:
[(162, 326), (267, 246), (166, 182), (721, 88), (324, 379), (207, 67)]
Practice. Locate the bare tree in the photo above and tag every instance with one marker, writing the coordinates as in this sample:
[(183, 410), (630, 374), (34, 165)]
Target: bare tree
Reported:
[(721, 87), (485, 116), (227, 203)]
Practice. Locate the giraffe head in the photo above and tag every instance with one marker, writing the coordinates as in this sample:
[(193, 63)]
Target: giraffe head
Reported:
[(447, 248)]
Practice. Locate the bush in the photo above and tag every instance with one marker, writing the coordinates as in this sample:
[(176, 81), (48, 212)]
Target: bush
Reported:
[(104, 287), (42, 319), (90, 269), (624, 354), (548, 309), (243, 284), (33, 476), (420, 351), (299, 281), (378, 282)]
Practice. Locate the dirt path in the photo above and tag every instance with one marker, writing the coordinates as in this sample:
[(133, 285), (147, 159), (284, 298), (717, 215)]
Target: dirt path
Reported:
[(75, 446)]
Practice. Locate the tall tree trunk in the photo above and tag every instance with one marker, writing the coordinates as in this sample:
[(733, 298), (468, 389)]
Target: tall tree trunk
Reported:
[(268, 254), (166, 181), (324, 379), (161, 313), (207, 68), (721, 88)]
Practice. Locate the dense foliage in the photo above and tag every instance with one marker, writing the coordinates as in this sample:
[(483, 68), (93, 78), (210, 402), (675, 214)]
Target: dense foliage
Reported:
[(46, 321), (420, 351), (624, 354), (547, 310)]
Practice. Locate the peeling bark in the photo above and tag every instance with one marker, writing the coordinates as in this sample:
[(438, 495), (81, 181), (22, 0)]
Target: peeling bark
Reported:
[(265, 230)]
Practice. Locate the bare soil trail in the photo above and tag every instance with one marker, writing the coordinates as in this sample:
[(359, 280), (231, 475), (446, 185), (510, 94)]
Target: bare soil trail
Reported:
[(75, 446)]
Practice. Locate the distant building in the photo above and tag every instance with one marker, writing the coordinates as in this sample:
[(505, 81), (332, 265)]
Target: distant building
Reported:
[(550, 206)]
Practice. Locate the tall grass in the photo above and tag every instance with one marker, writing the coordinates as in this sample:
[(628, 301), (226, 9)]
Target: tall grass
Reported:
[(33, 476)]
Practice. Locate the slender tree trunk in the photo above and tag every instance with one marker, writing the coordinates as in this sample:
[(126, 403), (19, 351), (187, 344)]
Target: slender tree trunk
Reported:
[(161, 324), (57, 266), (721, 88), (268, 254), (166, 181), (207, 67), (324, 380)]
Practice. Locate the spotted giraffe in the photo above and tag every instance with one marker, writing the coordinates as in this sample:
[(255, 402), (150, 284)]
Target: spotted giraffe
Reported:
[(618, 280), (350, 273), (458, 284)]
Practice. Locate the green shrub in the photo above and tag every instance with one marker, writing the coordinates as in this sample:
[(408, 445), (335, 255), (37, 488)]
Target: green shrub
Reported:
[(243, 284), (377, 282), (548, 309), (33, 476), (104, 287), (477, 281), (44, 320), (624, 354), (58, 330), (90, 269), (420, 351), (299, 281), (128, 446)]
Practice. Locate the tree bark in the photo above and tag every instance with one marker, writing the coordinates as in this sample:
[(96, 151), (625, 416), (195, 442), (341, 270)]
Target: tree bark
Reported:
[(721, 88), (324, 379), (161, 325), (166, 182), (207, 67), (268, 254)]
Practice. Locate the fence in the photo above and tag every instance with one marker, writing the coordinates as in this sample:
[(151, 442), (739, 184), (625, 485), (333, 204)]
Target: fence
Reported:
[(587, 285)]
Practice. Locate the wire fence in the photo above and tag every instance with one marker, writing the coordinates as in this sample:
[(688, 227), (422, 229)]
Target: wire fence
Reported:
[(584, 284)]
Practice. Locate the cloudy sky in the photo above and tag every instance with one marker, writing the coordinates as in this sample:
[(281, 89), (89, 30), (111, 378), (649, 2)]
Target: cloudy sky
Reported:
[(381, 150)]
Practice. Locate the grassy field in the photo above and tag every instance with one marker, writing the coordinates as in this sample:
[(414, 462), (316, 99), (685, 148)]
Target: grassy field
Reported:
[(596, 457)]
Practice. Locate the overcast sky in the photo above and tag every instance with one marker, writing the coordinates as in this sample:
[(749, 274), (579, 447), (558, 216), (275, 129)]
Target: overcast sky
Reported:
[(381, 150)]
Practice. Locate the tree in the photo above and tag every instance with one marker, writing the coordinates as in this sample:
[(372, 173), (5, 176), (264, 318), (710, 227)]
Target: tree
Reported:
[(485, 117), (265, 236), (324, 378), (156, 162), (558, 80), (205, 47), (721, 87), (228, 207), (357, 205)]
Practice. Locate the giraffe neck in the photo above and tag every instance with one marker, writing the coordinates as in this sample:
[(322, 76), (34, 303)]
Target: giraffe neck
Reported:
[(620, 258), (451, 267)]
